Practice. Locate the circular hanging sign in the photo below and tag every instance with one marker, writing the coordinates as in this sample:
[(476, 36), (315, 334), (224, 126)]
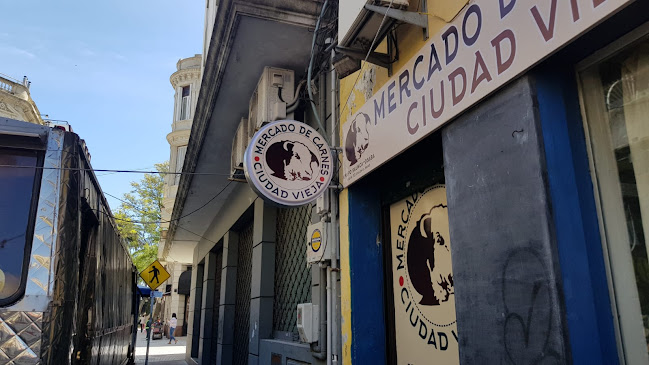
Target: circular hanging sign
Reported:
[(288, 163)]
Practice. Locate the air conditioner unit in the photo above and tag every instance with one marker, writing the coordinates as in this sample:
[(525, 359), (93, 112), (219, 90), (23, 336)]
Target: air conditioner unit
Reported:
[(308, 319), (268, 102), (239, 145)]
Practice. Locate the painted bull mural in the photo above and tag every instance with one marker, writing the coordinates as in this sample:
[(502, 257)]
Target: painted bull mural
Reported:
[(358, 138), (429, 261)]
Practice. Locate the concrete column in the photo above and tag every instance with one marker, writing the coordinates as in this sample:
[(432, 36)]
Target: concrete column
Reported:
[(225, 340), (207, 308), (175, 300), (262, 286), (194, 315), (504, 253)]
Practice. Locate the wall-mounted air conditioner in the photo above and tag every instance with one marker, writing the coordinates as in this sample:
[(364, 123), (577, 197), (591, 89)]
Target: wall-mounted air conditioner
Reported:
[(268, 101), (239, 145)]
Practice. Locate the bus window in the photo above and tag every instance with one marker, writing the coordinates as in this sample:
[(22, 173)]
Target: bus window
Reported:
[(17, 182)]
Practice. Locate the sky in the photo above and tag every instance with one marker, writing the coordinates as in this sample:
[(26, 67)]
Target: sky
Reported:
[(104, 67)]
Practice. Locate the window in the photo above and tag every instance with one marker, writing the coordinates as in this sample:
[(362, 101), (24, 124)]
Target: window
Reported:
[(16, 219), (180, 159), (185, 104), (615, 95)]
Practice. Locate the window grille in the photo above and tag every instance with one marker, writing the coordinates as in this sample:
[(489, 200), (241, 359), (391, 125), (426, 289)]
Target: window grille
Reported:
[(242, 301), (292, 275)]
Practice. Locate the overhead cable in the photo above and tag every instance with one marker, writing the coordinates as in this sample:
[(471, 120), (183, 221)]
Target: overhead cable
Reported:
[(310, 70), (141, 211), (177, 219), (116, 171)]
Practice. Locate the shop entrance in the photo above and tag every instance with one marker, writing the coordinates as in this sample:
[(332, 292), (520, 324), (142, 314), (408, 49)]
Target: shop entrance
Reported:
[(418, 276), (421, 278)]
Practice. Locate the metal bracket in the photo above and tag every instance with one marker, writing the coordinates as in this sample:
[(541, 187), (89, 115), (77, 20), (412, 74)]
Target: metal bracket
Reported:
[(379, 59), (410, 17), (424, 10), (336, 186)]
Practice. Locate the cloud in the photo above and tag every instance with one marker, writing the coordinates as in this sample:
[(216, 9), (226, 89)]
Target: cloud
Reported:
[(117, 56), (86, 52), (17, 51)]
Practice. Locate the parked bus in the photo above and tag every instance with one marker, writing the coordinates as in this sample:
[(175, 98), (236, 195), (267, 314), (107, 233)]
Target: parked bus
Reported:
[(67, 282)]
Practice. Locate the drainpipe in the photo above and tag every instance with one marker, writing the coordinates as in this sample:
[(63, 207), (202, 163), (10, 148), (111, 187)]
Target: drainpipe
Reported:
[(329, 315), (335, 227), (319, 350)]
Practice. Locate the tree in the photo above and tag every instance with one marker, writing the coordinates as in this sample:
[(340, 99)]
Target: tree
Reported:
[(138, 217)]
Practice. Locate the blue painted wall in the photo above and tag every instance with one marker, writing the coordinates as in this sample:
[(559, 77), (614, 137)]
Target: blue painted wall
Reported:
[(588, 308), (366, 275)]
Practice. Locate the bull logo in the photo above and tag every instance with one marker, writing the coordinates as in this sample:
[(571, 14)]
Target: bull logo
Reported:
[(429, 261), (358, 138), (292, 161)]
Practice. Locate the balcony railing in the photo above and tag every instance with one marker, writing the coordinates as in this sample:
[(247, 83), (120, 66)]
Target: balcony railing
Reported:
[(13, 86), (7, 84)]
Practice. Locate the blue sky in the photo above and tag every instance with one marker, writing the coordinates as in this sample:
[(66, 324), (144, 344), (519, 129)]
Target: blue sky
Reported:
[(104, 67)]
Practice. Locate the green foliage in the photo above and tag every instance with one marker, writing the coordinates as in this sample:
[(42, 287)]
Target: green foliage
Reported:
[(138, 217)]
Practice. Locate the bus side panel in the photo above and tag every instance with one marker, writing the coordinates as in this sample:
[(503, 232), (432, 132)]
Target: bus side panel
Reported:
[(58, 325), (24, 329), (106, 319)]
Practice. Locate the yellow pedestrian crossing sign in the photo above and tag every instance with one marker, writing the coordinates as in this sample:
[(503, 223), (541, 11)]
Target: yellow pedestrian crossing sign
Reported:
[(154, 275)]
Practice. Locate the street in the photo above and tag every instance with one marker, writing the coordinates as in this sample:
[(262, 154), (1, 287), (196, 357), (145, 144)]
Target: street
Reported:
[(160, 351)]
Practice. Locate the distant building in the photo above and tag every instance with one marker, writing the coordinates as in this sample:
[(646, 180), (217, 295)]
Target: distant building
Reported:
[(186, 82), (16, 102)]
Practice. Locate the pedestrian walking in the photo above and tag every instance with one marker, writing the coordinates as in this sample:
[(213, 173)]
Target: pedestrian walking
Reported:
[(148, 328), (173, 322)]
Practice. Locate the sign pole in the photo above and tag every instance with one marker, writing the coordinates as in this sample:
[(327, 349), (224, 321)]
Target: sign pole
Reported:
[(150, 332), (156, 272)]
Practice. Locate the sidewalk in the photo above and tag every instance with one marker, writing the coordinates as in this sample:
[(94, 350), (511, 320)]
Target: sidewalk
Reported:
[(160, 352)]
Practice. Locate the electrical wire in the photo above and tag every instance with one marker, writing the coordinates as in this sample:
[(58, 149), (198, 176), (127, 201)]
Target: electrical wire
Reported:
[(177, 219), (116, 171), (310, 71), (141, 211), (112, 173)]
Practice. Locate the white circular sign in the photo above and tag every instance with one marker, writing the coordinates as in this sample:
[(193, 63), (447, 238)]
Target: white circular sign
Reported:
[(288, 163)]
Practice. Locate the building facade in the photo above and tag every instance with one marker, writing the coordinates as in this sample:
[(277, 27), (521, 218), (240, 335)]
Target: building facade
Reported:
[(186, 82), (494, 166), (490, 204), (16, 101), (250, 270)]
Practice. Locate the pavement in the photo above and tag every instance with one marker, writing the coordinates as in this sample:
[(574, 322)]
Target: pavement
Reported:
[(160, 351)]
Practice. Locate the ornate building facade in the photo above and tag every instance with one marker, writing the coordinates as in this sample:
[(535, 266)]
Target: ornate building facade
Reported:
[(186, 82), (16, 102)]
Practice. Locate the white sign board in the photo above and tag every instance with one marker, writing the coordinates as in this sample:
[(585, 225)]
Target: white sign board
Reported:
[(489, 43), (288, 163), (422, 280)]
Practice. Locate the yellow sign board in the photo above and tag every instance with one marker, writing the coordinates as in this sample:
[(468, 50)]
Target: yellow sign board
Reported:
[(422, 280), (154, 275)]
